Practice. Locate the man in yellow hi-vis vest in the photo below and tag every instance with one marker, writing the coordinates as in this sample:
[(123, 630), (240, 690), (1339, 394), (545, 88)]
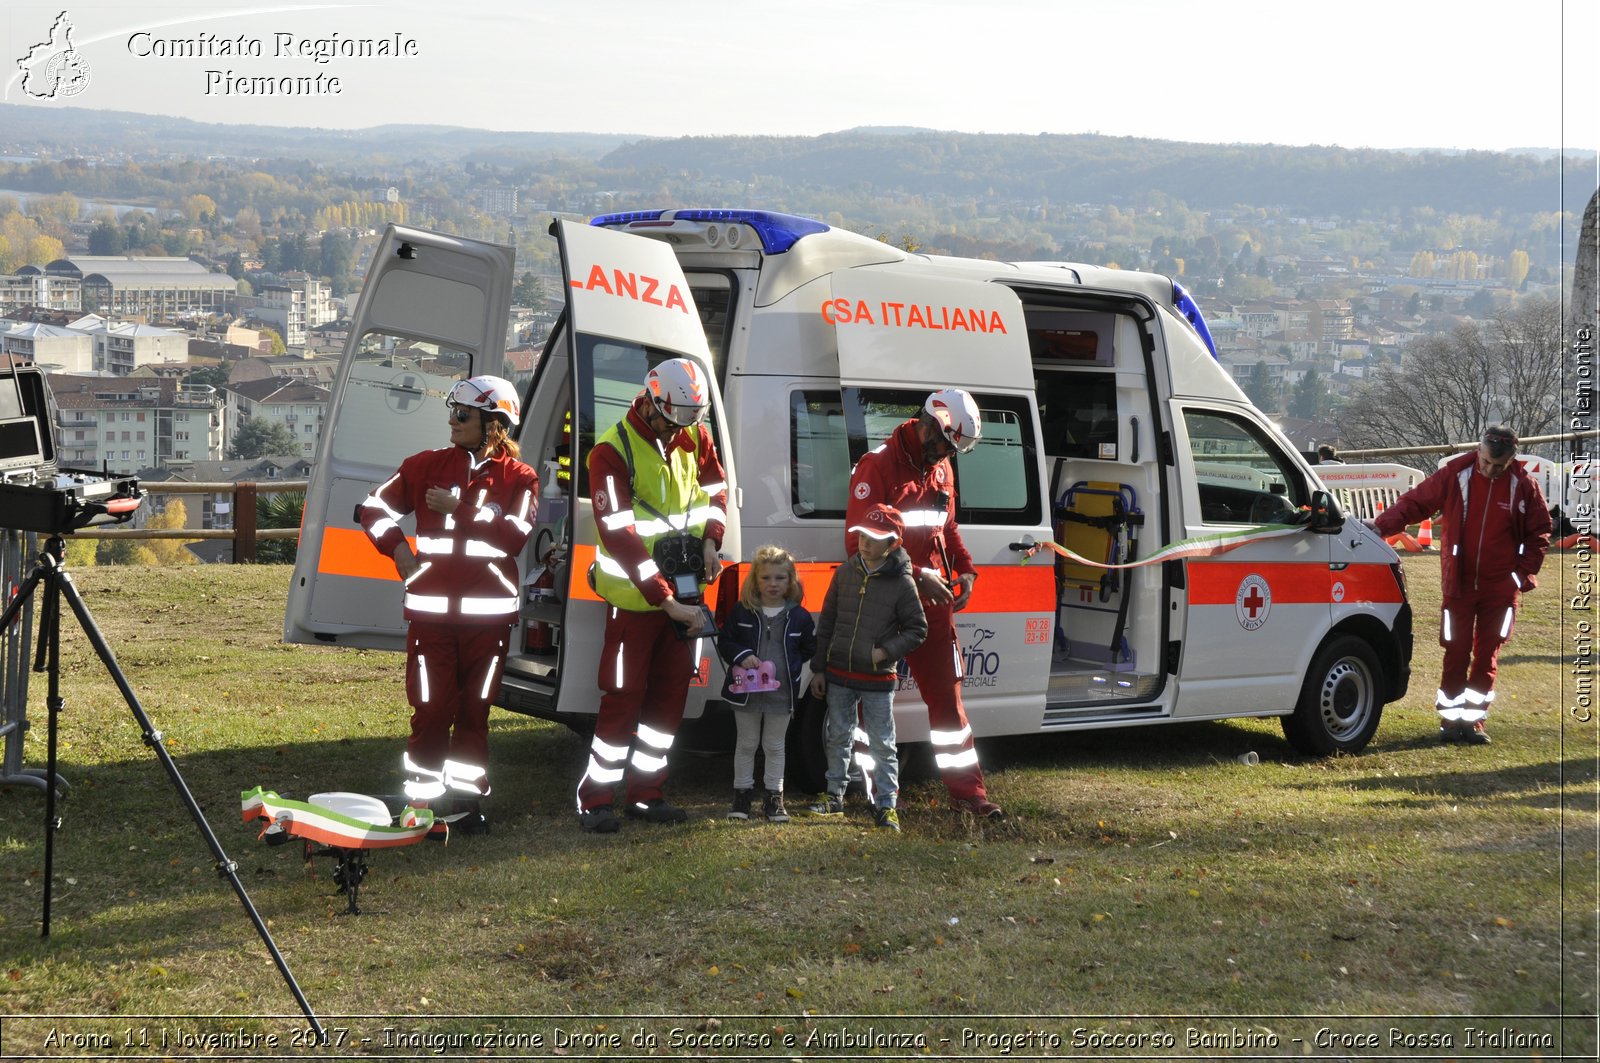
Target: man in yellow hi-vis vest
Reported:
[(660, 504)]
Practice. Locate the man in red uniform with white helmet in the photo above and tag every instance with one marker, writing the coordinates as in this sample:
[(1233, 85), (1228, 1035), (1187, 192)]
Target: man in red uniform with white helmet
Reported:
[(911, 472), (475, 504), (1496, 529), (660, 505)]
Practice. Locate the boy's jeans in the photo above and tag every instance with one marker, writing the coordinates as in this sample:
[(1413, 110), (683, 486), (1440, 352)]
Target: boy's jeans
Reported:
[(877, 711)]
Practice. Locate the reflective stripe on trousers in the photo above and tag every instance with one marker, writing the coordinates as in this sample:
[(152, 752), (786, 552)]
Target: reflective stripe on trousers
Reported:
[(1472, 628), (644, 681), (936, 666), (452, 675)]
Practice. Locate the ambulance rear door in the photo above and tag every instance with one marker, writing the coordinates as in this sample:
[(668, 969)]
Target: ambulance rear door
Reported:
[(628, 308), (901, 334), (433, 310)]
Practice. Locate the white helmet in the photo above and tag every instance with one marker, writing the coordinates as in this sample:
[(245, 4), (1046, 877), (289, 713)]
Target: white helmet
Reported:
[(678, 389), (957, 417), (487, 393)]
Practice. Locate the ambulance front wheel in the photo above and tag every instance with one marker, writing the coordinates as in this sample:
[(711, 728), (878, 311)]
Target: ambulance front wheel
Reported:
[(806, 763), (1341, 702)]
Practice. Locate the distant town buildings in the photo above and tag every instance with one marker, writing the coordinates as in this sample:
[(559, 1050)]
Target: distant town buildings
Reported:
[(294, 306), (54, 348), (91, 344), (298, 405), (34, 288), (123, 425), (126, 286), (498, 201)]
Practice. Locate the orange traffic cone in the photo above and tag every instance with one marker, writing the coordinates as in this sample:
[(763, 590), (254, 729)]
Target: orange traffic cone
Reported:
[(1425, 533), (1397, 538)]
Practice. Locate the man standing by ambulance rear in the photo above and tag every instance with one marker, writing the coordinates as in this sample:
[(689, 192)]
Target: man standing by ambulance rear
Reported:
[(1496, 530), (660, 507), (911, 472)]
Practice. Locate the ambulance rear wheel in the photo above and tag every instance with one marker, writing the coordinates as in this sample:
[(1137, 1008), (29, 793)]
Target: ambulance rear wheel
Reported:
[(1341, 702), (806, 764)]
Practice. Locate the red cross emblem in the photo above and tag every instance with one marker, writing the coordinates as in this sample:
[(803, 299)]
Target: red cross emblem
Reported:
[(1253, 602)]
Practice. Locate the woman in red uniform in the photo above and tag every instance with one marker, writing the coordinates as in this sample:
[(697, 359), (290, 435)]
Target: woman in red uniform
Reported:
[(475, 504)]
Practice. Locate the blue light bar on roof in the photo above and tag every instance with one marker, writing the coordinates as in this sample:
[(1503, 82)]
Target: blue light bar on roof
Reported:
[(778, 232), (1184, 304), (624, 217)]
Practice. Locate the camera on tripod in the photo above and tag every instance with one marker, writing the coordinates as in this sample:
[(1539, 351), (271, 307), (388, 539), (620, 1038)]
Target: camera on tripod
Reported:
[(682, 560), (35, 495)]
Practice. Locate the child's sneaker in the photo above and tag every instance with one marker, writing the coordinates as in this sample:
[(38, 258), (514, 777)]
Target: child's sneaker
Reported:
[(829, 805), (741, 804), (887, 818), (772, 807)]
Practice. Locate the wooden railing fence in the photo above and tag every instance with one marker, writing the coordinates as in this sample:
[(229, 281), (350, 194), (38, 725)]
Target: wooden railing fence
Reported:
[(244, 533)]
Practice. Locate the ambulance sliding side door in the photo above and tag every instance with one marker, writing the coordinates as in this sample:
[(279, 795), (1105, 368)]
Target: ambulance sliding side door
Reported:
[(902, 334), (628, 308), (433, 310)]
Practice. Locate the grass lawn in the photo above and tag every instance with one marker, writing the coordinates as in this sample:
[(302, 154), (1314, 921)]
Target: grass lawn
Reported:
[(1149, 895)]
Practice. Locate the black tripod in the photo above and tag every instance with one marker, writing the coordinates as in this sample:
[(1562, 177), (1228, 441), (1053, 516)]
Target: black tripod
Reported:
[(51, 571)]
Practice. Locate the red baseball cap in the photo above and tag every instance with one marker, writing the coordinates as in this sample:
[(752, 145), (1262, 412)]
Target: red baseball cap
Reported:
[(881, 522)]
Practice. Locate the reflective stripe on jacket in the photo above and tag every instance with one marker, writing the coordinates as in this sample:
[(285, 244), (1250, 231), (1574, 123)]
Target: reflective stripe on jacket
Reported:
[(468, 558), (660, 492), (893, 474), (1506, 542)]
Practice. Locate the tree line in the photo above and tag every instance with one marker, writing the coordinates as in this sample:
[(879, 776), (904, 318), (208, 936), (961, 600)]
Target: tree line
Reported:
[(1449, 388)]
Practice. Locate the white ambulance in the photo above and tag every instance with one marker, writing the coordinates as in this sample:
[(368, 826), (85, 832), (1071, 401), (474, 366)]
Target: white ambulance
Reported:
[(1108, 426)]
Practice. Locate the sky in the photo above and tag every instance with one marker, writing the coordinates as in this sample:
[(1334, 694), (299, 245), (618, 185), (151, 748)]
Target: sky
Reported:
[(1469, 74)]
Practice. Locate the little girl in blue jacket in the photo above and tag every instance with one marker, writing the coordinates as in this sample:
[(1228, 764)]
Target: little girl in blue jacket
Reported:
[(769, 627)]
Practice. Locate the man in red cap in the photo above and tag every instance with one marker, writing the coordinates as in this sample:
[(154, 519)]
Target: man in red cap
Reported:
[(911, 473), (1495, 532)]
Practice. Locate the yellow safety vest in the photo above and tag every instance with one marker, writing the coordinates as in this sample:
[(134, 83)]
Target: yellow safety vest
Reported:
[(667, 500)]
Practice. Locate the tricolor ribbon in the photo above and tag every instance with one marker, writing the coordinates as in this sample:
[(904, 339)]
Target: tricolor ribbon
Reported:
[(315, 823), (1199, 546)]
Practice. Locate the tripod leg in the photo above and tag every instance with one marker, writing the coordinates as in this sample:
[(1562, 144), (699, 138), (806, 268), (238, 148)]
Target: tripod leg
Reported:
[(50, 632), (152, 738), (15, 664), (24, 592)]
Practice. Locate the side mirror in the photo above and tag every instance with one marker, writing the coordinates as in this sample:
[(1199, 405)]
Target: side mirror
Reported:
[(1326, 516)]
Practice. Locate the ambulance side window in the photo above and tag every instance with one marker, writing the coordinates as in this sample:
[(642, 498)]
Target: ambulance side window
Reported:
[(830, 430), (819, 454), (1241, 476), (394, 399), (713, 298), (610, 375), (997, 482)]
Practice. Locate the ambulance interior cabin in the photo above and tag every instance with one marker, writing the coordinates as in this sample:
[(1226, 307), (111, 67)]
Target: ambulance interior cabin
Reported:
[(1101, 480)]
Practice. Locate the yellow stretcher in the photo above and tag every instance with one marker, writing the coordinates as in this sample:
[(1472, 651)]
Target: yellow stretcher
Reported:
[(1096, 520)]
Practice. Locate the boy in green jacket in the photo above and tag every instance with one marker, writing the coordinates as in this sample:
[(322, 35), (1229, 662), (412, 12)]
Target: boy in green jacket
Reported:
[(871, 618)]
